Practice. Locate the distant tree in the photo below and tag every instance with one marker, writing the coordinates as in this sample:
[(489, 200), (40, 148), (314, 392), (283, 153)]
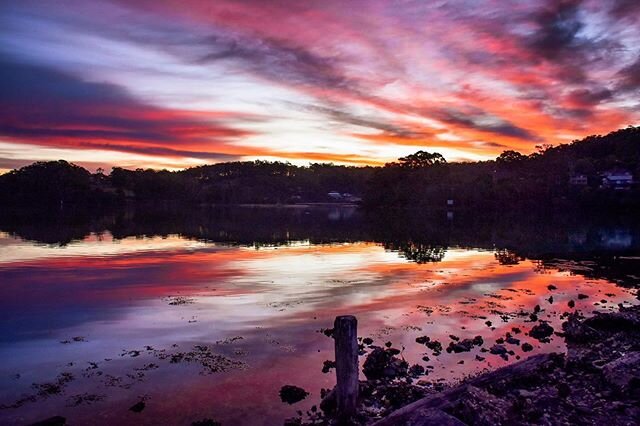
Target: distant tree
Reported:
[(510, 156), (421, 159), (543, 148)]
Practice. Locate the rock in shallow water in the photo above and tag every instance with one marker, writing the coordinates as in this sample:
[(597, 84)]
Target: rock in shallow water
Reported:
[(292, 394), (382, 363), (498, 350), (51, 421), (541, 331), (138, 407)]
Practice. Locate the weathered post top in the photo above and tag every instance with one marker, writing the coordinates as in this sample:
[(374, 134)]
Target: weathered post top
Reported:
[(346, 344)]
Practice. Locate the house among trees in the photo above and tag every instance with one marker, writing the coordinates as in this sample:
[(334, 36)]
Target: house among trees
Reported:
[(578, 180), (617, 179), (344, 197)]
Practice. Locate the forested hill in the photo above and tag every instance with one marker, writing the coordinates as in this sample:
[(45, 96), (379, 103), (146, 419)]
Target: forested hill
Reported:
[(591, 171), (596, 171), (259, 182)]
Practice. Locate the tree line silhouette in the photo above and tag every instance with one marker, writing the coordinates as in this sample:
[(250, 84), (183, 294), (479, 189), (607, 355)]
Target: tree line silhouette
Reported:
[(423, 179)]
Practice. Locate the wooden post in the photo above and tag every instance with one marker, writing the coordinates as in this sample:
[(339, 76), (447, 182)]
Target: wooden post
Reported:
[(346, 339)]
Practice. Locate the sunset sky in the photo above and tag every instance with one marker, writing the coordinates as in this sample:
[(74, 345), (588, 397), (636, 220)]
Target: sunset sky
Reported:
[(177, 83)]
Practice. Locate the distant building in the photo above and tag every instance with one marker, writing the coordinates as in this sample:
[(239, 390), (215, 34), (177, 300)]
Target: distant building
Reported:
[(350, 198), (617, 179), (578, 180), (344, 197)]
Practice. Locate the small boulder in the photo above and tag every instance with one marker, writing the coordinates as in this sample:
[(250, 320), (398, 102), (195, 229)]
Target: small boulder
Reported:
[(541, 331), (138, 407), (463, 346), (435, 346), (51, 421), (292, 394), (416, 370), (422, 339), (206, 422), (328, 365), (527, 347), (498, 350), (382, 363)]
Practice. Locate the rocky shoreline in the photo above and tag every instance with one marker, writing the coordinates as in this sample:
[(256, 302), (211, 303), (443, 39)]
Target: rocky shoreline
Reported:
[(597, 381)]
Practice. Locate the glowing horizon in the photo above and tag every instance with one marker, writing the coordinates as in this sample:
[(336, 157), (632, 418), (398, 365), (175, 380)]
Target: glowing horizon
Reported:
[(174, 84)]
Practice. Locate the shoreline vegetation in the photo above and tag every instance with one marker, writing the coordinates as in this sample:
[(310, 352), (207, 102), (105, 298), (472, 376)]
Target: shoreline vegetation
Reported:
[(598, 172)]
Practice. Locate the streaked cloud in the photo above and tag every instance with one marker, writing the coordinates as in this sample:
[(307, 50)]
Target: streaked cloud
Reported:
[(359, 82)]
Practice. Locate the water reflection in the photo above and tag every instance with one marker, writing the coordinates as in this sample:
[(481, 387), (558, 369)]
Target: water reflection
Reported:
[(126, 303)]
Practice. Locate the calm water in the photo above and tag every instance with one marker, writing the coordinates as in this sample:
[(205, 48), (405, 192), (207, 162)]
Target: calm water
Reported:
[(207, 314)]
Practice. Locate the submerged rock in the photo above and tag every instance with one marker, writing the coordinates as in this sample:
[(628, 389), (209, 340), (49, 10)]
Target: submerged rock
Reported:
[(416, 370), (422, 339), (541, 331), (462, 346), (51, 421), (527, 347), (435, 346), (381, 363), (292, 394), (206, 422), (498, 350), (328, 365), (138, 407)]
